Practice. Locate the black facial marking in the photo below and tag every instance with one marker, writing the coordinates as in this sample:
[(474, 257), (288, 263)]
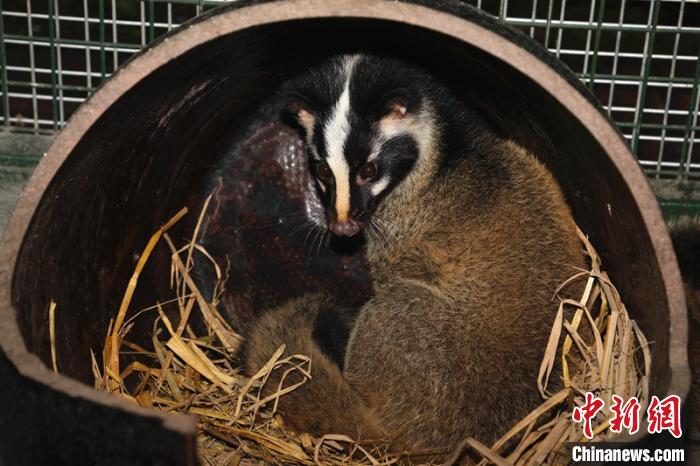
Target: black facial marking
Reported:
[(319, 88), (359, 141), (316, 91), (401, 154), (377, 82)]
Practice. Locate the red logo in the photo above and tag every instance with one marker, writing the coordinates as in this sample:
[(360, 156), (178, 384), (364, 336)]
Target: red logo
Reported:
[(665, 415), (585, 414), (661, 415), (625, 415)]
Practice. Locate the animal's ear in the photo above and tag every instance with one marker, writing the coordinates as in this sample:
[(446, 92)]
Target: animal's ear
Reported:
[(397, 108), (395, 104), (300, 112), (306, 118)]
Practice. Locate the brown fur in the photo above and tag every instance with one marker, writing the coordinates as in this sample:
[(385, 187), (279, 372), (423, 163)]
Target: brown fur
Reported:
[(292, 325), (451, 342)]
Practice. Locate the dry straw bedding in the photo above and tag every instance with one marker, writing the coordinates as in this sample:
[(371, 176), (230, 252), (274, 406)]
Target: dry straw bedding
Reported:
[(188, 373)]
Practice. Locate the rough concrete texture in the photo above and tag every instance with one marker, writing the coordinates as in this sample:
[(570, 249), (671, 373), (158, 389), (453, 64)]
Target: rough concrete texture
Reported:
[(12, 180), (19, 154)]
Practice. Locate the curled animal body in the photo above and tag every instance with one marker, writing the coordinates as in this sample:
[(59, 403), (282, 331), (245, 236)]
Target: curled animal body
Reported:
[(468, 237)]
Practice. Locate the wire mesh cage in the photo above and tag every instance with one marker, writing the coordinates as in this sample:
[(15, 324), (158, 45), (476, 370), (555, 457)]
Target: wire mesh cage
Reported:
[(640, 57)]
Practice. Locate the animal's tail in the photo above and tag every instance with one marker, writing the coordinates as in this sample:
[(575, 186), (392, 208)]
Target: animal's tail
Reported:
[(325, 403)]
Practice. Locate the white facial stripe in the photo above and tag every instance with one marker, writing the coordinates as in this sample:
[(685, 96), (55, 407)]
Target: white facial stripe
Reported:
[(380, 185), (392, 127), (336, 132), (375, 150)]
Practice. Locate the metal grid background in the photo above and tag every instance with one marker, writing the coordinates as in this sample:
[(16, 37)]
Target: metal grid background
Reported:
[(640, 57)]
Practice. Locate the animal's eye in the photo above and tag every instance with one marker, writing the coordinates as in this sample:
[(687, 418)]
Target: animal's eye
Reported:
[(368, 171), (323, 172)]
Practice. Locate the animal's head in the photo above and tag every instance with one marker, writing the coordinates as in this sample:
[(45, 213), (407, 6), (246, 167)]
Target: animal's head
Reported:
[(369, 127)]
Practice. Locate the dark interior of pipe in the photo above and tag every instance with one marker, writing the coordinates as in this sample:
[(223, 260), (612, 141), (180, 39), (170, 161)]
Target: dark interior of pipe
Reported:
[(207, 121)]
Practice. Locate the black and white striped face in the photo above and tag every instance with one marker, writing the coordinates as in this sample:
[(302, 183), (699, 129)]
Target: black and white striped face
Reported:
[(366, 123)]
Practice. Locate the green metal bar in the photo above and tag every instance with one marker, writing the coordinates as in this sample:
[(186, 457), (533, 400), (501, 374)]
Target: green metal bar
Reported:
[(502, 10), (673, 209), (691, 111), (549, 24), (19, 160), (670, 174), (103, 53), (669, 89), (3, 72), (64, 41), (607, 27), (596, 43), (191, 2), (623, 77), (64, 87), (659, 126), (645, 75), (33, 131), (52, 56), (152, 20)]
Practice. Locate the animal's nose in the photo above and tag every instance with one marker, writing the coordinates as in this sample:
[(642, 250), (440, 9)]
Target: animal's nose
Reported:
[(349, 228)]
